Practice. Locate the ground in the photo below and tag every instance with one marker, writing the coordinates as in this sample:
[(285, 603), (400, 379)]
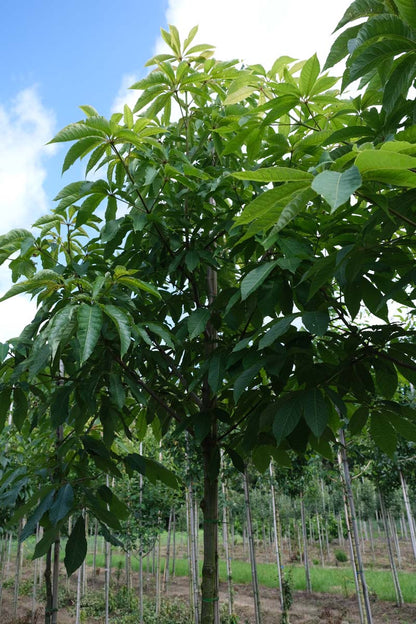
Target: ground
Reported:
[(306, 609), (315, 608)]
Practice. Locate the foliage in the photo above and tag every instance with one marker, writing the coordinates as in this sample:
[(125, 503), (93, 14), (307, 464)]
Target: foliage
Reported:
[(231, 274), (341, 556)]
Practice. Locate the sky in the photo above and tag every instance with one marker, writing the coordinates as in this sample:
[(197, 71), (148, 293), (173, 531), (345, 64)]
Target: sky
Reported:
[(56, 56)]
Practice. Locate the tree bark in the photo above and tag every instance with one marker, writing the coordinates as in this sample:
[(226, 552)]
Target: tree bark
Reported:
[(254, 579), (305, 545), (363, 597), (209, 505), (396, 583), (409, 514)]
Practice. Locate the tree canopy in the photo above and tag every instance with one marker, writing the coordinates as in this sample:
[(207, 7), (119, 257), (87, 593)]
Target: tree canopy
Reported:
[(234, 270)]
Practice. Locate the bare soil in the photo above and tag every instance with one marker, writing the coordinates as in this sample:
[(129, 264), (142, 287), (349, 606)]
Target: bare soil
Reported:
[(314, 608)]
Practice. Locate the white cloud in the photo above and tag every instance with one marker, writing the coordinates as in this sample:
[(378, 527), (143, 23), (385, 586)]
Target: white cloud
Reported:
[(25, 126), (126, 95), (260, 31)]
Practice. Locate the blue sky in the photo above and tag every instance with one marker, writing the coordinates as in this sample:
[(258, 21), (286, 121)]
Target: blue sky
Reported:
[(57, 55)]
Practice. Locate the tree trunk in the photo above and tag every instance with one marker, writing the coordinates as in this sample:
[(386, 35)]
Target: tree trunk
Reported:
[(225, 523), (209, 505), (48, 586), (396, 583), (277, 540), (17, 571), (363, 597), (410, 519), (167, 564), (254, 579), (305, 545)]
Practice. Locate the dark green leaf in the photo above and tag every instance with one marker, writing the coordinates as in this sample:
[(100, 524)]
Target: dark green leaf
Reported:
[(255, 278), (197, 322), (76, 547), (287, 416), (90, 320), (315, 411), (62, 504), (316, 322), (20, 407), (383, 433)]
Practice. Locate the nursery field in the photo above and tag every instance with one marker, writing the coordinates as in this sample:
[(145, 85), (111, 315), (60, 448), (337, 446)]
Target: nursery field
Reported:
[(331, 601)]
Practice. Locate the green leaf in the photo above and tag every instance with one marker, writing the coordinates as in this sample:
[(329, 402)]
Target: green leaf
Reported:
[(399, 82), (261, 456), (407, 11), (122, 323), (374, 54), (315, 411), (60, 328), (336, 188), (75, 131), (90, 320), (316, 322), (197, 321), (80, 149), (339, 48), (62, 504), (43, 545), (243, 381), (288, 415), (276, 330), (255, 278), (308, 75), (386, 377), (239, 94), (361, 8), (215, 372), (76, 547), (267, 207), (138, 285), (274, 174), (5, 398), (20, 407), (60, 405), (36, 516), (383, 433), (358, 420), (386, 166), (405, 428)]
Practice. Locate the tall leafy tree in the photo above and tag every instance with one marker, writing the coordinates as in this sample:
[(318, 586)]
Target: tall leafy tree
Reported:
[(213, 277)]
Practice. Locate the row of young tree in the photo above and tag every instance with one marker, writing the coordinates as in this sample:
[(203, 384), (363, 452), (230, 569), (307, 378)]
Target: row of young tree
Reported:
[(295, 512), (232, 275)]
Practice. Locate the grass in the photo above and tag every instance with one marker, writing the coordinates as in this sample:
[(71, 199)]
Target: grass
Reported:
[(329, 580), (337, 580)]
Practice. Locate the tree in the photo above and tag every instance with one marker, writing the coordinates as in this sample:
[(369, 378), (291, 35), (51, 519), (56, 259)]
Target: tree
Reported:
[(249, 216)]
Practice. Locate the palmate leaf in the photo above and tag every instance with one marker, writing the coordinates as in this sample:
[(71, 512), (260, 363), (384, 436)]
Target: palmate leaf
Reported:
[(76, 547), (90, 320), (265, 205)]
